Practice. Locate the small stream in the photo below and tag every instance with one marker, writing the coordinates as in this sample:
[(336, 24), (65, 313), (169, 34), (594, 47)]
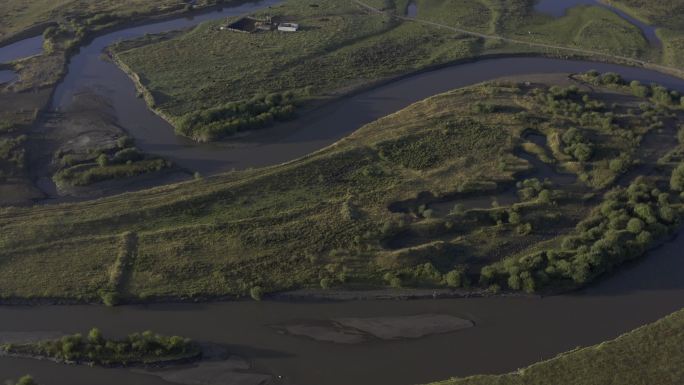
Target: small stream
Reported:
[(558, 8), (412, 10)]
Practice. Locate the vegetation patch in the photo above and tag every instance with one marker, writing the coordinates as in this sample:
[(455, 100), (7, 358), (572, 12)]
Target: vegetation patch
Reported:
[(100, 164), (146, 349)]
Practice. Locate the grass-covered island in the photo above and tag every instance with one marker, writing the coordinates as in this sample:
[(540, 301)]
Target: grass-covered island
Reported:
[(649, 355), (146, 349), (539, 185), (227, 82)]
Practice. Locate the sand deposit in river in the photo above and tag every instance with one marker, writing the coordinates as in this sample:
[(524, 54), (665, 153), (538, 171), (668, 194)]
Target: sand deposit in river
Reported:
[(360, 330)]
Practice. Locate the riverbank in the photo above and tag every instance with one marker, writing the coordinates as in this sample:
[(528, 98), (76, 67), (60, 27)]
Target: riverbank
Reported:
[(142, 59)]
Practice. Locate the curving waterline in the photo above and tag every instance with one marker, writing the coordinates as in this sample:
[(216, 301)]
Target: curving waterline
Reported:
[(509, 332)]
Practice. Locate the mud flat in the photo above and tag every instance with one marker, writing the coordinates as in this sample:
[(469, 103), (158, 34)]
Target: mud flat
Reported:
[(361, 330), (233, 371)]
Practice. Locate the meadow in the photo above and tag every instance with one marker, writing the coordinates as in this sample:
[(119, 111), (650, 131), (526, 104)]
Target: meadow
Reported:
[(367, 212)]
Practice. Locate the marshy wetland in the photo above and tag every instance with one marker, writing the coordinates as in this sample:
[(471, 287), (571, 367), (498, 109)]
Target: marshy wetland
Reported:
[(489, 183)]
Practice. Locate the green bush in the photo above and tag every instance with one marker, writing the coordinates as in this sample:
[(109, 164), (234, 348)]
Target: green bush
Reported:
[(216, 123), (635, 225), (137, 348), (256, 293)]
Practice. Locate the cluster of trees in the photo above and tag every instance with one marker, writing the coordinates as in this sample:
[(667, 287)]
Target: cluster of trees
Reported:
[(576, 145), (658, 94), (84, 175), (137, 348), (12, 153), (572, 103), (427, 274), (626, 224), (258, 112)]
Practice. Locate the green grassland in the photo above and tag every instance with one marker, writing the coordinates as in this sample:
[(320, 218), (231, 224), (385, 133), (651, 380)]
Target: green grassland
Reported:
[(365, 211), (648, 355), (668, 16), (344, 47)]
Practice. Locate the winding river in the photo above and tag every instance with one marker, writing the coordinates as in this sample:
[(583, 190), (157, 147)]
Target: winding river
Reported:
[(509, 332)]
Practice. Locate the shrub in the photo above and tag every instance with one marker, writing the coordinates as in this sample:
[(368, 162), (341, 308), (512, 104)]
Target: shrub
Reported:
[(110, 298), (256, 293), (26, 380), (638, 89), (131, 154), (456, 278), (677, 178), (458, 209), (325, 283), (635, 225), (392, 279), (102, 160)]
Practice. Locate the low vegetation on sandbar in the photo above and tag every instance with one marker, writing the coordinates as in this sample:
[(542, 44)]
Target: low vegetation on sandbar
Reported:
[(648, 355), (121, 160), (342, 47), (534, 187), (144, 348)]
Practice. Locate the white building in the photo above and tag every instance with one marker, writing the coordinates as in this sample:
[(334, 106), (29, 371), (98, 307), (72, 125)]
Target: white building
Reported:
[(288, 27)]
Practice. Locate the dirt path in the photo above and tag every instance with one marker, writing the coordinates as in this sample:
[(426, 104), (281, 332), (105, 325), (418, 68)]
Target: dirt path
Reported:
[(643, 63)]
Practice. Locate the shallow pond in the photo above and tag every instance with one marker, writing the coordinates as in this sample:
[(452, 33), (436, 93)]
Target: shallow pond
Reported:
[(21, 49), (558, 8)]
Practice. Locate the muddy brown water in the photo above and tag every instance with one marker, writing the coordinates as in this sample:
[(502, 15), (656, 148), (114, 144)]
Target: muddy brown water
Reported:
[(559, 8), (509, 332), (412, 9)]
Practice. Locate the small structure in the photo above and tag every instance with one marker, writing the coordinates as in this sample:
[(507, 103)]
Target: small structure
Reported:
[(250, 25), (288, 27)]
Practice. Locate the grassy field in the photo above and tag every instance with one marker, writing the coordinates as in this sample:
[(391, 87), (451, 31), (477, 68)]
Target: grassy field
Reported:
[(344, 47), (648, 355), (668, 15), (389, 205)]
